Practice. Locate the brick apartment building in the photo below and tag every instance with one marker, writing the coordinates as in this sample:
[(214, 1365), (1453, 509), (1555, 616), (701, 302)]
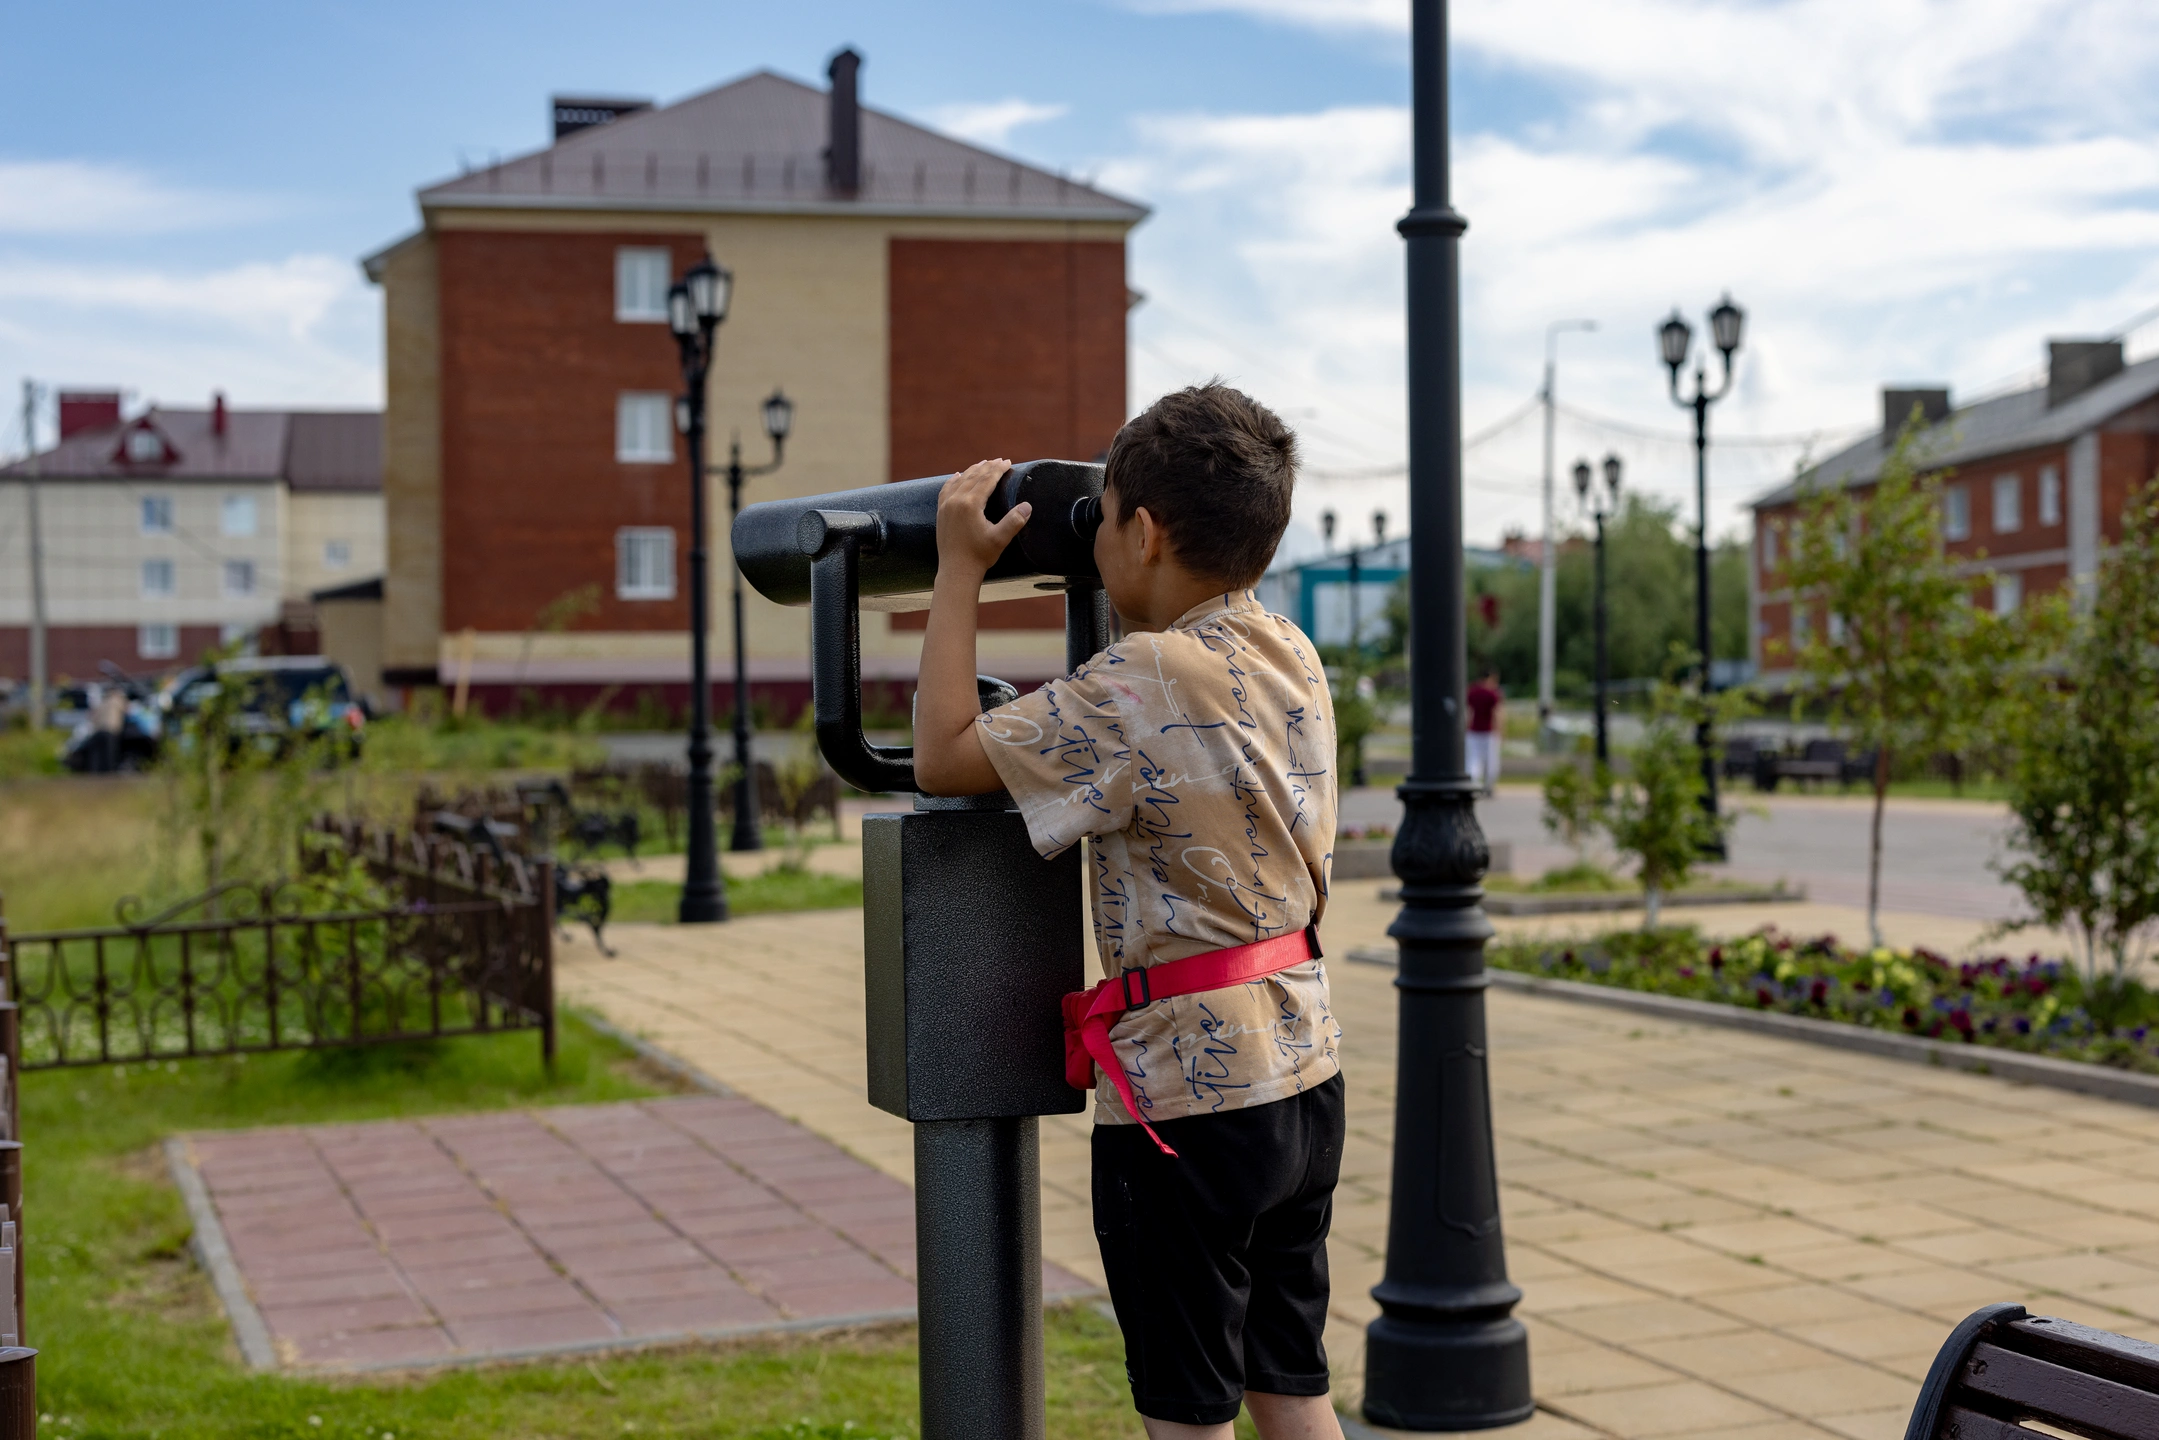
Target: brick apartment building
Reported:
[(180, 529), (2034, 491), (923, 302)]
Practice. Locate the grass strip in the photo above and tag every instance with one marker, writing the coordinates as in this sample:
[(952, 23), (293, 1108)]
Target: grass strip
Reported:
[(656, 901)]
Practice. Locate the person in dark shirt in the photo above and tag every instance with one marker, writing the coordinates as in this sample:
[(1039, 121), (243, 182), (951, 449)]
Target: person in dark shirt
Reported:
[(1485, 704)]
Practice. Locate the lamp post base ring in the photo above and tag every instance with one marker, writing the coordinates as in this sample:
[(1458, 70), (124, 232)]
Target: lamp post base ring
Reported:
[(1423, 1375)]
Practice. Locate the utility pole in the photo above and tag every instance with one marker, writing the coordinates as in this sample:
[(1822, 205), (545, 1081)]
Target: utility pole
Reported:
[(1548, 561), (38, 677)]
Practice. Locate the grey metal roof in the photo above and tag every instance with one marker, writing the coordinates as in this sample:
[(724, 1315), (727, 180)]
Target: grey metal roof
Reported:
[(757, 145), (1998, 426), (308, 449)]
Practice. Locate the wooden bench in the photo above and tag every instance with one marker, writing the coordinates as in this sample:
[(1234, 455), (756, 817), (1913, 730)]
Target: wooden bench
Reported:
[(2002, 1366)]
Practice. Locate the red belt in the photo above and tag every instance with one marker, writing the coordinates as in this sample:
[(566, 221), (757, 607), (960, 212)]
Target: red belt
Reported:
[(1090, 1013)]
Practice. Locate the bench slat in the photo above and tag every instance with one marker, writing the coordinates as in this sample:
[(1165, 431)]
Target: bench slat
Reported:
[(2080, 1347), (2087, 1404), (1959, 1423)]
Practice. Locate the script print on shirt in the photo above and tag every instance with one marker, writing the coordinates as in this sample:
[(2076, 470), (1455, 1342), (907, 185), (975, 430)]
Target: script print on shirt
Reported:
[(1198, 764)]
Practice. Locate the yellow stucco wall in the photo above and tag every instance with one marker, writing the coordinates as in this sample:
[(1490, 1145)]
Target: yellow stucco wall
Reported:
[(411, 456)]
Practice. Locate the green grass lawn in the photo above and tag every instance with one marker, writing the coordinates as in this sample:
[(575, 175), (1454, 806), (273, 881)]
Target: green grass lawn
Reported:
[(132, 1342), (656, 900)]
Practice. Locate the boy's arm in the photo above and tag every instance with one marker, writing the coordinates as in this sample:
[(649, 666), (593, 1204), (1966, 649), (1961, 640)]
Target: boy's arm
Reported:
[(949, 758)]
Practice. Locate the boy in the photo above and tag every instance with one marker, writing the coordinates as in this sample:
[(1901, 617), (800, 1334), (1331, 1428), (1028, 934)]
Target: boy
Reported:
[(1197, 755)]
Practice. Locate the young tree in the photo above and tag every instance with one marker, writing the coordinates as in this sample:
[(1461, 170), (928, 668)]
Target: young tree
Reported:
[(1655, 815), (2084, 773), (1574, 803), (1890, 628)]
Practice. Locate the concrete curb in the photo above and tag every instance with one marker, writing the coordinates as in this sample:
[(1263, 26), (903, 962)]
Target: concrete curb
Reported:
[(650, 1052), (215, 1256), (2127, 1086), (1516, 903)]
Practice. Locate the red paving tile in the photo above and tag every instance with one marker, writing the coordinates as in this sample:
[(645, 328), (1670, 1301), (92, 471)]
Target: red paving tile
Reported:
[(408, 1242)]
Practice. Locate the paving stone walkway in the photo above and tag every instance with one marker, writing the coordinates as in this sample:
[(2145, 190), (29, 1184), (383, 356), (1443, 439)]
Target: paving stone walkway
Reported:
[(419, 1241), (1716, 1233)]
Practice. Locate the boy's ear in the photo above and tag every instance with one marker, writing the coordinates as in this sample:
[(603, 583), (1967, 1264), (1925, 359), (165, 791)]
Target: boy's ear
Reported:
[(1151, 536)]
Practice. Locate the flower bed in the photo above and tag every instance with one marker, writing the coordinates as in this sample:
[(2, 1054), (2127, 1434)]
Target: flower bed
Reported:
[(2034, 1004)]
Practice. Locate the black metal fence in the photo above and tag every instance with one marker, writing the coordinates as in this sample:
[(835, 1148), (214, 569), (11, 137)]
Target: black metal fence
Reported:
[(450, 943)]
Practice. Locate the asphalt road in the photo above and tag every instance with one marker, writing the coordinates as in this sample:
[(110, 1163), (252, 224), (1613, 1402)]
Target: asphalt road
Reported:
[(1937, 855)]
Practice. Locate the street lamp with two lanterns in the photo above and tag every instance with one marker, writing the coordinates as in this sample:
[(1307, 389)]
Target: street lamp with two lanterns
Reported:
[(1601, 509), (1675, 338)]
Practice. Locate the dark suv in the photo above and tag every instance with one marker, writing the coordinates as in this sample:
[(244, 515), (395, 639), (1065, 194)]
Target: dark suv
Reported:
[(286, 696)]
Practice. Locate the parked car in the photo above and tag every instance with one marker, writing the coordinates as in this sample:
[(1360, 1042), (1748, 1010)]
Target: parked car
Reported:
[(284, 696)]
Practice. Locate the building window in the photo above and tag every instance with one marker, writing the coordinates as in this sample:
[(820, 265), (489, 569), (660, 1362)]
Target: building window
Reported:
[(157, 580), (645, 563), (640, 283), (157, 514), (1799, 628), (157, 642), (1836, 628), (2008, 504), (239, 577), (644, 428), (2050, 496), (1769, 546), (237, 632), (144, 447), (2008, 593), (1956, 514), (237, 516), (336, 554)]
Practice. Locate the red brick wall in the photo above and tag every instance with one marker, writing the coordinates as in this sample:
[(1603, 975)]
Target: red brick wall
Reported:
[(73, 652), (532, 361), (1004, 347)]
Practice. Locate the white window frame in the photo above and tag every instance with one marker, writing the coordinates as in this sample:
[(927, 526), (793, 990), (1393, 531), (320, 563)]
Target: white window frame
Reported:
[(1956, 513), (157, 641), (336, 554), (244, 571), (644, 427), (638, 299), (636, 549), (163, 588), (2050, 495), (2008, 592), (239, 516), (2008, 504), (154, 512)]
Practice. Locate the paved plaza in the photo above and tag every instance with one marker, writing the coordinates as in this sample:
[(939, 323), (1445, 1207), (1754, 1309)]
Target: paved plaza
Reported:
[(1715, 1233)]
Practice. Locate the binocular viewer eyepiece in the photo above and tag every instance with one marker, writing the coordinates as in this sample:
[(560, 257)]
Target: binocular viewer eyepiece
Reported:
[(876, 548), (777, 542)]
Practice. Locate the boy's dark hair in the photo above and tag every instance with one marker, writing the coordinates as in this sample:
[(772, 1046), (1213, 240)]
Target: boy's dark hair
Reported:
[(1215, 468)]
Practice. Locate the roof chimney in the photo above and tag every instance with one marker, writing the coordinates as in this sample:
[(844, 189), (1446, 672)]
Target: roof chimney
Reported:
[(2074, 366), (217, 413), (843, 156), (88, 410), (581, 112), (1898, 400)]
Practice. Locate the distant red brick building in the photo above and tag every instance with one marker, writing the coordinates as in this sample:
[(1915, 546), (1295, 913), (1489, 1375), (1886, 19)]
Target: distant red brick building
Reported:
[(934, 305), (2036, 484)]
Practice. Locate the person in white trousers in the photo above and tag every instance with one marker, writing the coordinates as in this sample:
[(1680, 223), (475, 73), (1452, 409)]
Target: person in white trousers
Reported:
[(1485, 704)]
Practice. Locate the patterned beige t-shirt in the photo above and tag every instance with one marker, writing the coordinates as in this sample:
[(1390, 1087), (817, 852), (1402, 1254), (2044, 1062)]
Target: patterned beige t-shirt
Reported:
[(1200, 762)]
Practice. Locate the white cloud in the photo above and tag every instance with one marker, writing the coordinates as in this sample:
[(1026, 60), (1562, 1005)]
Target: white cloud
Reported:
[(1385, 16), (77, 197), (301, 330), (1895, 191), (992, 122)]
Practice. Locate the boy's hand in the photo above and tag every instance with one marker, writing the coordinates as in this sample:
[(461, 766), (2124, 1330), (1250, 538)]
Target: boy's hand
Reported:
[(967, 544)]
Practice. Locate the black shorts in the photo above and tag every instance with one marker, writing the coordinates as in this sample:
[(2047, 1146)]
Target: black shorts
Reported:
[(1217, 1260)]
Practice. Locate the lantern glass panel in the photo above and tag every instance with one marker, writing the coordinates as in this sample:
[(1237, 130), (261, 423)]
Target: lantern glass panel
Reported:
[(1674, 338), (779, 415), (1727, 322)]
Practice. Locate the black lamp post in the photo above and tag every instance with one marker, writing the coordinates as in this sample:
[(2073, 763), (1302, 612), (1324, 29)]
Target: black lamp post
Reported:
[(779, 419), (1446, 1352), (696, 305), (1674, 338), (1600, 510)]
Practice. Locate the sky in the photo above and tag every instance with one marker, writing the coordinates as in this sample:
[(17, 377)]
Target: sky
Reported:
[(1899, 191)]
